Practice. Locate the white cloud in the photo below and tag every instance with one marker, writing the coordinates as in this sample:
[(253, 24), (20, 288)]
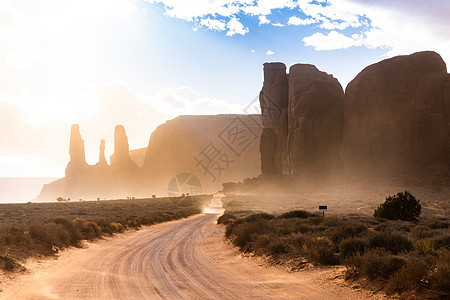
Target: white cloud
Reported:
[(189, 10), (263, 20), (332, 41), (235, 27), (213, 24), (186, 101), (298, 21), (401, 26), (397, 26), (270, 52), (278, 25)]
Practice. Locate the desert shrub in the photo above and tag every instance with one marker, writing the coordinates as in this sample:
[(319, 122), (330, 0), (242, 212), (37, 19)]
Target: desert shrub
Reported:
[(376, 263), (316, 220), (421, 232), (440, 279), (442, 241), (424, 246), (391, 241), (304, 228), (74, 233), (347, 230), (319, 250), (287, 226), (402, 206), (276, 245), (90, 230), (243, 232), (262, 240), (258, 216), (295, 242), (352, 246), (116, 227), (409, 275), (301, 214), (436, 224), (50, 234), (226, 218)]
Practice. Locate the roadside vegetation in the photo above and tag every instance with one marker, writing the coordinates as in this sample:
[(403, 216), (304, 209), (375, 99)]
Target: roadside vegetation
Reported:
[(42, 229), (403, 255)]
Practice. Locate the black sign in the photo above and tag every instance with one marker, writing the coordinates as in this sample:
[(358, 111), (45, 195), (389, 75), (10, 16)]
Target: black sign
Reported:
[(323, 208)]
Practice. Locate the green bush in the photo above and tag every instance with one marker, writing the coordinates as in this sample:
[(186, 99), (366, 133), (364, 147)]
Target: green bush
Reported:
[(402, 206)]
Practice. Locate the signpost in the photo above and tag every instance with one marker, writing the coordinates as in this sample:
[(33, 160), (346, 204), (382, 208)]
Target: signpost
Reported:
[(323, 209)]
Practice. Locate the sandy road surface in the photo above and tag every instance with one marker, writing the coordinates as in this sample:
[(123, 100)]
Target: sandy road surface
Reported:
[(185, 259)]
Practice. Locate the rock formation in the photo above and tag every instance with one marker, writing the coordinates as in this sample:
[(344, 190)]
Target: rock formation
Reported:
[(273, 99), (316, 120), (122, 160), (214, 149), (101, 156), (397, 114), (77, 163), (303, 120)]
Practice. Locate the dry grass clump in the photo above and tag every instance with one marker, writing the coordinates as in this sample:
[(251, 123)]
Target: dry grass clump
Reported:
[(41, 229)]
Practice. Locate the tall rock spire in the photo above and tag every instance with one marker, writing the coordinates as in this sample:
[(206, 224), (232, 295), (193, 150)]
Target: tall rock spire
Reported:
[(273, 99), (101, 155), (121, 159), (77, 161)]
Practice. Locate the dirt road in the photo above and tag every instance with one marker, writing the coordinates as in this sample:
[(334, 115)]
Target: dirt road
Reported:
[(185, 259)]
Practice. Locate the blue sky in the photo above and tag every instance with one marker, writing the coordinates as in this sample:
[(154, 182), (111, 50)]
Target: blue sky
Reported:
[(140, 62)]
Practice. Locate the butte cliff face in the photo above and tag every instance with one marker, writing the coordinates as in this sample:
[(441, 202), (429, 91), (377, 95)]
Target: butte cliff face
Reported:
[(397, 114), (215, 149), (316, 121), (303, 120)]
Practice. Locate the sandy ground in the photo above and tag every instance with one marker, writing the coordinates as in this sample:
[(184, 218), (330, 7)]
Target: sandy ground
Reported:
[(184, 259)]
